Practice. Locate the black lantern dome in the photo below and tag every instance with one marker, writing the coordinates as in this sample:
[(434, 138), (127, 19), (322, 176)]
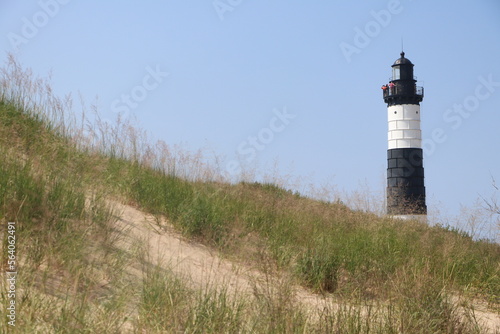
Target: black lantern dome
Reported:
[(402, 88), (402, 60)]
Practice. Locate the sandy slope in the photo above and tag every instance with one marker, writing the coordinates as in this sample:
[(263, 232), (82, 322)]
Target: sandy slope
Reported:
[(204, 267), (190, 260)]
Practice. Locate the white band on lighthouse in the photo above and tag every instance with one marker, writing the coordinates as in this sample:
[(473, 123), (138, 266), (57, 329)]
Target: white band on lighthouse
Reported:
[(404, 126)]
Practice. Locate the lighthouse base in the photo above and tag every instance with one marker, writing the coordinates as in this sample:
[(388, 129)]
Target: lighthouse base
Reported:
[(419, 218)]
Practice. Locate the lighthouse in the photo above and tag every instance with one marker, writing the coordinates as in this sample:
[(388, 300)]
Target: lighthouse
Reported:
[(405, 169)]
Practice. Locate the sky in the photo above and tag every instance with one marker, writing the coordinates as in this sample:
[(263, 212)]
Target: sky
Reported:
[(284, 87)]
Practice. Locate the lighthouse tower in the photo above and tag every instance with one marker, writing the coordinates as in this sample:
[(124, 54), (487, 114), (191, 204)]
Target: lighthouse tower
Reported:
[(405, 172)]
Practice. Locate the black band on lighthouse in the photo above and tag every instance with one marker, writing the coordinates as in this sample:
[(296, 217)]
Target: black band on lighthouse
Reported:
[(405, 182)]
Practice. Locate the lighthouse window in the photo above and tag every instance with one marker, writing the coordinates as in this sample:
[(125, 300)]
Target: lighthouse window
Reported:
[(395, 73)]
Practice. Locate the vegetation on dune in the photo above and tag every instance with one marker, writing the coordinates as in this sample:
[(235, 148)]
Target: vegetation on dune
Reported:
[(383, 275)]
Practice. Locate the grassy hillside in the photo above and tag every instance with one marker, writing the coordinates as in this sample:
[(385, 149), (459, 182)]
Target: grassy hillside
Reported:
[(55, 179)]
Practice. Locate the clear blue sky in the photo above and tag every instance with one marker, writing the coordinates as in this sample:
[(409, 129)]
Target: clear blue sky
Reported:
[(234, 65)]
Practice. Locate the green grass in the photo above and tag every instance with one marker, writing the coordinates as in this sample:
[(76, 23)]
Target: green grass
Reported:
[(383, 275), (321, 243)]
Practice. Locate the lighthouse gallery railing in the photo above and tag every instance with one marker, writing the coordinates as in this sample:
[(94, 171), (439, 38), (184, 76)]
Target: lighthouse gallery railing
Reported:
[(392, 91)]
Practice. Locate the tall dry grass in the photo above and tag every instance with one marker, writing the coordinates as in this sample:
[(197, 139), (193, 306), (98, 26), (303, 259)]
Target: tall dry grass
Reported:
[(58, 169)]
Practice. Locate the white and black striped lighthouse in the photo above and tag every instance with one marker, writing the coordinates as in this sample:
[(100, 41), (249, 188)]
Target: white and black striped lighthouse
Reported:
[(405, 170)]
